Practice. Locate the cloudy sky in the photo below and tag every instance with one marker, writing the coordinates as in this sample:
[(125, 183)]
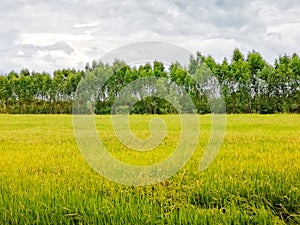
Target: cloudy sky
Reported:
[(44, 35)]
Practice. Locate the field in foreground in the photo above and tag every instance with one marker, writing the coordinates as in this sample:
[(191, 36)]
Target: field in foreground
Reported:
[(255, 178)]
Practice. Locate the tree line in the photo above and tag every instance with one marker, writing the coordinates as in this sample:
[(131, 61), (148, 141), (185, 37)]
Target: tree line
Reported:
[(248, 85)]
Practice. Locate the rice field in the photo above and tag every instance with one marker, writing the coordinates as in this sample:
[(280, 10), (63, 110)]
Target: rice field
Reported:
[(255, 178)]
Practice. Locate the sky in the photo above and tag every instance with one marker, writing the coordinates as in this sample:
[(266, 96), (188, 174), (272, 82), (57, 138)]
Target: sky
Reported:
[(44, 35)]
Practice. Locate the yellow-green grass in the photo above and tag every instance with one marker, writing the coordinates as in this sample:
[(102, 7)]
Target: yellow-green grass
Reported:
[(254, 179)]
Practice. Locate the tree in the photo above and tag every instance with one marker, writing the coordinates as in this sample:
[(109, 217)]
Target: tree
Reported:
[(5, 93), (249, 85)]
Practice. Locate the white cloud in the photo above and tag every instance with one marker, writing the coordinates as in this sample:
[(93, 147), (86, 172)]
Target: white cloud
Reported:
[(44, 39), (46, 35), (86, 25)]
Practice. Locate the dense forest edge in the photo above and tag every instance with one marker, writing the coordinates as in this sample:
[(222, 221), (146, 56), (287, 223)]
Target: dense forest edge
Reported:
[(248, 84)]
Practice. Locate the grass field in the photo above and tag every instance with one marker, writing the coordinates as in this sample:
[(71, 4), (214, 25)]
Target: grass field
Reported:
[(255, 178)]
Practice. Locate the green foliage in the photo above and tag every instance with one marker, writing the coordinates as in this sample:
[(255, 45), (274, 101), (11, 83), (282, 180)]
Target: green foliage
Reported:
[(248, 85), (38, 93)]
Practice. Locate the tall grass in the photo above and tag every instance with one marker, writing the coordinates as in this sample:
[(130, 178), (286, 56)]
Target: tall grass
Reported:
[(255, 178)]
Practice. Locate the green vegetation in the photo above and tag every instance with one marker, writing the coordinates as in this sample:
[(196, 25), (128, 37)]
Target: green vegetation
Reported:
[(255, 178), (249, 85)]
